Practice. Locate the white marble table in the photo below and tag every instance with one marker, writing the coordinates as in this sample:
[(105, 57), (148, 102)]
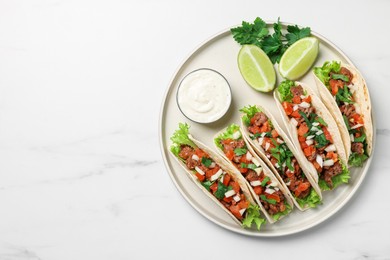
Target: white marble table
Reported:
[(81, 175)]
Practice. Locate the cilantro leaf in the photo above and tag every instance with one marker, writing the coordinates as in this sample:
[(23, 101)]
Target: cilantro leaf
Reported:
[(321, 140), (249, 33), (206, 161), (295, 33), (207, 184), (270, 201), (249, 166), (240, 151), (221, 190), (264, 181), (360, 139), (307, 121), (340, 76), (321, 121)]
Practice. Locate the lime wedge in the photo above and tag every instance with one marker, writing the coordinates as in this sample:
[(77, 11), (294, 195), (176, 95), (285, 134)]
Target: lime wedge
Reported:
[(256, 68), (298, 58)]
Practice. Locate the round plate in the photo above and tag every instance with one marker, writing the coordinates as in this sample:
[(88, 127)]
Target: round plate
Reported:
[(220, 53)]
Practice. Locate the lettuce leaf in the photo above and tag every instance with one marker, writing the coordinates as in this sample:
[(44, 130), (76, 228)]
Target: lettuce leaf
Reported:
[(337, 180), (180, 137), (356, 159), (323, 72), (282, 213), (228, 134), (249, 112), (285, 90), (312, 200), (253, 216)]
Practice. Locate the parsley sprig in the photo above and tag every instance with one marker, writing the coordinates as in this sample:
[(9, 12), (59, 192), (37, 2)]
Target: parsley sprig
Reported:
[(274, 45)]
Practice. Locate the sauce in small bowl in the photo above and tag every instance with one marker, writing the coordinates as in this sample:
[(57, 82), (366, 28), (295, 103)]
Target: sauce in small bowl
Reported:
[(204, 96)]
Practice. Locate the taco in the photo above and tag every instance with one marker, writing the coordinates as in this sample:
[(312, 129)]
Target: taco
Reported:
[(344, 92), (314, 133), (211, 173), (264, 134), (265, 188)]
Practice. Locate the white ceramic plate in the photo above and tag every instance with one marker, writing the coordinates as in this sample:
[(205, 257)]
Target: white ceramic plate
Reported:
[(220, 53)]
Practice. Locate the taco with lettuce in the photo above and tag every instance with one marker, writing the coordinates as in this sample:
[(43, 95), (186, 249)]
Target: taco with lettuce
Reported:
[(344, 92), (314, 133), (271, 196), (269, 141), (215, 177)]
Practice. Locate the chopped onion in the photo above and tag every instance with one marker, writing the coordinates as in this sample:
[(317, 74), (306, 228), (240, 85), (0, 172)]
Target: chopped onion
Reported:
[(263, 134), (237, 198), (310, 137), (212, 165), (195, 157), (242, 211), (261, 139), (294, 121), (248, 156), (313, 128), (280, 141), (284, 164), (356, 126), (199, 170), (319, 132), (309, 142), (229, 193), (330, 148), (255, 183), (295, 107), (352, 137), (303, 96), (288, 183), (236, 135), (277, 165), (319, 160), (267, 145), (268, 155), (216, 176), (269, 191), (258, 170), (255, 162), (316, 124), (272, 184), (304, 105), (328, 163)]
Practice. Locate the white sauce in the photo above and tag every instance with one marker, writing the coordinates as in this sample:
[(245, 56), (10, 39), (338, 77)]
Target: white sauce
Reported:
[(204, 96)]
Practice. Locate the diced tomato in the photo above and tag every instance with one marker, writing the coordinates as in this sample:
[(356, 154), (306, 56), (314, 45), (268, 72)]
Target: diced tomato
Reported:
[(288, 108), (317, 166), (357, 119), (332, 155), (357, 134), (296, 114), (243, 159), (242, 170), (243, 204), (229, 154), (296, 100), (254, 129), (214, 187), (235, 210), (235, 186), (274, 133), (303, 145), (227, 141), (226, 179), (307, 99), (303, 186), (253, 119), (265, 127), (289, 174), (228, 200), (273, 197), (211, 172), (200, 176), (335, 85), (258, 190), (301, 138), (309, 150), (327, 134), (200, 153), (303, 129), (273, 160)]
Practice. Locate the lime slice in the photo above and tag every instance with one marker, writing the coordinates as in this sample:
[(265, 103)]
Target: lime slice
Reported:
[(256, 68), (298, 58)]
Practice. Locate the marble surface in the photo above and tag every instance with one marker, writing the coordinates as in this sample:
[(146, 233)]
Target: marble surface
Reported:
[(81, 174)]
